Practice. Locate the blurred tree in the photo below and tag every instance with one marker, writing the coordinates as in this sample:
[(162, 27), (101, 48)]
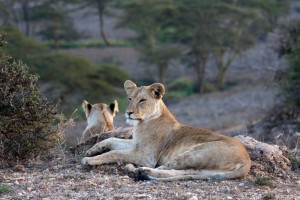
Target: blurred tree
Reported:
[(194, 24), (70, 77), (7, 11), (57, 25), (101, 8), (149, 19), (239, 26), (52, 14), (283, 120), (222, 29), (289, 46)]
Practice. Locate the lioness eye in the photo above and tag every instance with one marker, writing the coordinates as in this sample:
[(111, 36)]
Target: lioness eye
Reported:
[(142, 100)]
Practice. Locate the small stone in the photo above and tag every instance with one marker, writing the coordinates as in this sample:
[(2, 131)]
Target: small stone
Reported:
[(229, 197), (193, 198), (17, 182), (78, 166)]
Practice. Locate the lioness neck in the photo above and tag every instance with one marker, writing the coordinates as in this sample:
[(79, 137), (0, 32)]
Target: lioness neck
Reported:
[(162, 114)]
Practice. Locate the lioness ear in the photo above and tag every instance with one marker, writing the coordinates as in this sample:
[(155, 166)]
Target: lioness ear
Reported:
[(157, 90), (86, 106), (129, 86), (114, 107)]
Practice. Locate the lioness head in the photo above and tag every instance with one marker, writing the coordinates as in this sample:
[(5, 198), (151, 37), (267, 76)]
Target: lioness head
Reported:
[(143, 102), (100, 112)]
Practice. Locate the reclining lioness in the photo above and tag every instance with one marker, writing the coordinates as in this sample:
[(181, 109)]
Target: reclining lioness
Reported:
[(99, 118), (165, 149)]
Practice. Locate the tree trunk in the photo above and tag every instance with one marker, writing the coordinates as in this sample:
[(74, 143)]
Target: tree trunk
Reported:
[(101, 7), (162, 70), (221, 77), (201, 78), (26, 17), (200, 66)]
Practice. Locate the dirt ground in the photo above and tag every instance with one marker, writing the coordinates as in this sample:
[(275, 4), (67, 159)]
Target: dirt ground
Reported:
[(62, 177)]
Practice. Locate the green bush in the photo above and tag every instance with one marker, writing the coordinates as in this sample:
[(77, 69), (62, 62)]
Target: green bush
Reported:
[(4, 189), (263, 181), (26, 117), (77, 75), (180, 88), (87, 43), (21, 47), (289, 45), (72, 78)]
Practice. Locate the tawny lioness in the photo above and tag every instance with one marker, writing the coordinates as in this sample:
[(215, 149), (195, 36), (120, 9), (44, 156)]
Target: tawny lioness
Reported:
[(165, 149)]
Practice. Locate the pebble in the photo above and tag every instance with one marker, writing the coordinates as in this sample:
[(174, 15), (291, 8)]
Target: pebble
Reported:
[(193, 198), (78, 166), (229, 197)]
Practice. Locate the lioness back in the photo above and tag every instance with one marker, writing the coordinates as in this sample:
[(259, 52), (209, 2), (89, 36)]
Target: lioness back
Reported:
[(99, 118)]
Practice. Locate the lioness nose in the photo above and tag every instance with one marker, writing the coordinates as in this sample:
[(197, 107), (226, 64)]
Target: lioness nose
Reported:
[(129, 113)]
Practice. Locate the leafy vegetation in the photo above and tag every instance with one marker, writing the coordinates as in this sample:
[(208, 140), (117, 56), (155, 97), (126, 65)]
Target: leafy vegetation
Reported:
[(26, 117), (218, 30), (88, 43), (65, 74), (263, 181), (289, 45), (4, 189)]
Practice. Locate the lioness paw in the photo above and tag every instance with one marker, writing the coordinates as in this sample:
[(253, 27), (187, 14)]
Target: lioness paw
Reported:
[(138, 174), (85, 161)]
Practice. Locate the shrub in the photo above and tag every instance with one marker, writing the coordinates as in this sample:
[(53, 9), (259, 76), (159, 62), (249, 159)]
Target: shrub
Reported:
[(26, 117), (263, 181), (4, 189), (21, 47), (69, 78), (78, 75), (289, 46)]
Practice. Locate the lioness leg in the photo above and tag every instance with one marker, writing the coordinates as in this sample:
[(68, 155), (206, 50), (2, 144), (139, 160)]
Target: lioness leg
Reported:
[(109, 144), (200, 162), (126, 156), (146, 173)]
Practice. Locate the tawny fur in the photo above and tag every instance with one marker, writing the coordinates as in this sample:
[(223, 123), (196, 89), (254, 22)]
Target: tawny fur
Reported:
[(99, 118), (166, 149)]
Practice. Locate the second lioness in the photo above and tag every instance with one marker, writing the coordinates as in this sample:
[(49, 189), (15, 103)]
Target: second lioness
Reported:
[(99, 118), (166, 149)]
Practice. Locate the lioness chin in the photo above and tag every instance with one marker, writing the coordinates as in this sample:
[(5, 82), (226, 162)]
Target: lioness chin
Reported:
[(164, 148)]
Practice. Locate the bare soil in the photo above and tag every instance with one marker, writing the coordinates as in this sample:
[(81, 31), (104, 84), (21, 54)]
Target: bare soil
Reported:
[(61, 176)]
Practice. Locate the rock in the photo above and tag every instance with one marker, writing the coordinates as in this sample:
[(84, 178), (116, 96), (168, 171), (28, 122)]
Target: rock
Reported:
[(193, 198), (123, 133), (265, 158)]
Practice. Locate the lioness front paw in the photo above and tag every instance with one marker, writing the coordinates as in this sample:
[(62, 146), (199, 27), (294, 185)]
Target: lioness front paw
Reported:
[(85, 161), (89, 153), (95, 151)]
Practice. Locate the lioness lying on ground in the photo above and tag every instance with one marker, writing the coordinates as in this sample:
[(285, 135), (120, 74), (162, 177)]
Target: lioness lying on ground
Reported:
[(166, 149), (99, 118)]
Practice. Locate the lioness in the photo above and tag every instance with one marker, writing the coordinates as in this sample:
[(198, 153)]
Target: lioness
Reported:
[(166, 149), (99, 118)]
